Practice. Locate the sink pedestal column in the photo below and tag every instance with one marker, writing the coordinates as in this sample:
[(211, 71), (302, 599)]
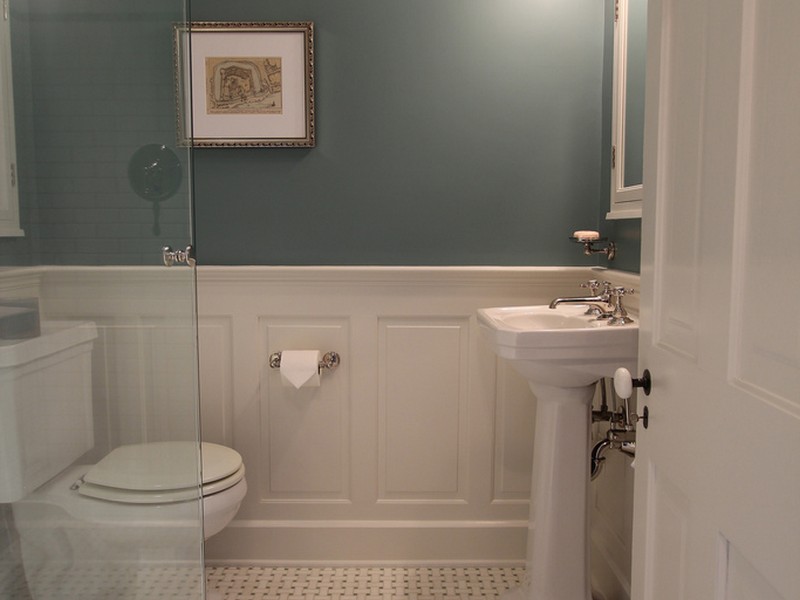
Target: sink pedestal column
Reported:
[(561, 354), (558, 530)]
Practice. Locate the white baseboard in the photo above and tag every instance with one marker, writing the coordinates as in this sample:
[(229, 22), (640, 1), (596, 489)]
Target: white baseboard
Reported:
[(357, 544), (338, 564)]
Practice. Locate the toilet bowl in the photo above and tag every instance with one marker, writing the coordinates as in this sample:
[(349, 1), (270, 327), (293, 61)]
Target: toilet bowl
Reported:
[(135, 511), (165, 473), (150, 487), (86, 532)]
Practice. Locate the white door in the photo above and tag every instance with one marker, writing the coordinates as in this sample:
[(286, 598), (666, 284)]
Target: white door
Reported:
[(717, 493)]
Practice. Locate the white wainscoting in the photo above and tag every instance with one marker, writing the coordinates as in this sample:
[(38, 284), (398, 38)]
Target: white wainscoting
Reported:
[(399, 456), (416, 450), (612, 522), (143, 366)]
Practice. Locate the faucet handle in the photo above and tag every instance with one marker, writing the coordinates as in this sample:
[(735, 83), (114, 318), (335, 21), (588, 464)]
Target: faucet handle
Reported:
[(594, 286), (619, 292), (619, 315)]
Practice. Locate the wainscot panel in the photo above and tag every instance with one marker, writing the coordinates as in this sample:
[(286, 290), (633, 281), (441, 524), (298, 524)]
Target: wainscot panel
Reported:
[(416, 450)]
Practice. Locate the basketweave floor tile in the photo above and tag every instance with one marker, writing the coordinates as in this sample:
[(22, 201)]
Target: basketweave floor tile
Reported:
[(363, 583)]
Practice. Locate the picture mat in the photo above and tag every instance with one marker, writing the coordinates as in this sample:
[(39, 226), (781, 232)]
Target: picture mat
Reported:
[(290, 46)]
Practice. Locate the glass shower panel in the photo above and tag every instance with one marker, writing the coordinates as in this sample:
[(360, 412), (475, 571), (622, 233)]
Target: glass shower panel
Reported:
[(98, 355)]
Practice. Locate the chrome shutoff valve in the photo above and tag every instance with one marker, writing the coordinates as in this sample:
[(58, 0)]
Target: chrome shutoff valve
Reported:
[(623, 385), (622, 433)]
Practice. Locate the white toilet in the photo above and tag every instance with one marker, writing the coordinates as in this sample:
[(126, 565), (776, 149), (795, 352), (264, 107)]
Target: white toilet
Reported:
[(139, 502), (135, 512), (164, 473)]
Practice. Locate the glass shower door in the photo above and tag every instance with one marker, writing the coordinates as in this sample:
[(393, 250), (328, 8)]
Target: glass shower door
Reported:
[(110, 363)]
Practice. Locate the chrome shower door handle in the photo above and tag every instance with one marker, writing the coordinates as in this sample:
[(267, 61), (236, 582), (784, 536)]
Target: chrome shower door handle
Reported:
[(170, 256)]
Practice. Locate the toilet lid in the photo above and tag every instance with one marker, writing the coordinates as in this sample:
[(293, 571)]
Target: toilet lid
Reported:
[(163, 466), (160, 496)]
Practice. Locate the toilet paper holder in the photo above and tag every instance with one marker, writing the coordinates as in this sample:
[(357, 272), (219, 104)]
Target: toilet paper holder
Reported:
[(330, 360)]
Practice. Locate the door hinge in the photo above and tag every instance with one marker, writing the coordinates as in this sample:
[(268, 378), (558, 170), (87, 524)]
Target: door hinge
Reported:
[(5, 10), (613, 157), (13, 175), (616, 11)]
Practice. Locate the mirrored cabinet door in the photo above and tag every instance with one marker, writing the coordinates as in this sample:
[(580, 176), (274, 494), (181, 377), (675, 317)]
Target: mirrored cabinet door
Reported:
[(630, 49)]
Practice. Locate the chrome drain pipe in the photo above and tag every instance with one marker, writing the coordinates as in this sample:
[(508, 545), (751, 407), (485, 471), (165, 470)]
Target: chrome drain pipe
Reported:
[(624, 441), (597, 457)]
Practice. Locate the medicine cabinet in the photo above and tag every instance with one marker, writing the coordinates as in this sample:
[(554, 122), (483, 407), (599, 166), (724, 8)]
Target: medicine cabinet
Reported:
[(627, 120), (9, 197)]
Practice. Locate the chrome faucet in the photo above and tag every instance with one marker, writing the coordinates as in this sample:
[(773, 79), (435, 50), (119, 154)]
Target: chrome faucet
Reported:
[(610, 296), (593, 301)]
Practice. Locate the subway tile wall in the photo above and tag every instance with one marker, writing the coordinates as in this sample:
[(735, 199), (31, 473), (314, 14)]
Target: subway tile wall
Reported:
[(93, 83)]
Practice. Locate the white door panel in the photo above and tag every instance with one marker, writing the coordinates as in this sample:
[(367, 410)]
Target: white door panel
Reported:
[(717, 500)]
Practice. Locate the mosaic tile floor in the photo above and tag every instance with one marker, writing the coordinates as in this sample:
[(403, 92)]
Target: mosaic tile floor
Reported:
[(135, 582), (101, 582), (430, 583)]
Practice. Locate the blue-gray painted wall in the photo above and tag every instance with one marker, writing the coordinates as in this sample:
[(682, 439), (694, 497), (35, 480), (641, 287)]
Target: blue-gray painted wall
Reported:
[(449, 132)]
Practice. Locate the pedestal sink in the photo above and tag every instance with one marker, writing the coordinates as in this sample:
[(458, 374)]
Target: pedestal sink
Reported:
[(562, 353)]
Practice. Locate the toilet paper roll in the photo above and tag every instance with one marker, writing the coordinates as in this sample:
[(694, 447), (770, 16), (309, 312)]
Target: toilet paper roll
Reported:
[(300, 368)]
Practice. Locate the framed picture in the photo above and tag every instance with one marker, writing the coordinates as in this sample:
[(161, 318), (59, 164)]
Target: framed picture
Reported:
[(245, 84)]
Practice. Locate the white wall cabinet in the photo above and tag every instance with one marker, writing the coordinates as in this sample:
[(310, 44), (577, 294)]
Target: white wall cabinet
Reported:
[(9, 197), (627, 121)]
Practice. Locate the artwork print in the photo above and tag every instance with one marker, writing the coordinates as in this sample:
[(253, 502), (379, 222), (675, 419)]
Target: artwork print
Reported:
[(244, 85)]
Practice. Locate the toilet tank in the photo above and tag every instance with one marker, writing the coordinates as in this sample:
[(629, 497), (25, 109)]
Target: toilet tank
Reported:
[(45, 405)]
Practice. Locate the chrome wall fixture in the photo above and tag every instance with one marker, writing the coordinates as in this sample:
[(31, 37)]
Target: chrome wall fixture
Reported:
[(170, 256), (154, 173), (329, 361), (610, 248), (621, 434)]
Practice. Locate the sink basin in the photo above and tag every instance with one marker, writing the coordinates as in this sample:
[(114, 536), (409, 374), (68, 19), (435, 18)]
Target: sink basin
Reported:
[(561, 352), (560, 347)]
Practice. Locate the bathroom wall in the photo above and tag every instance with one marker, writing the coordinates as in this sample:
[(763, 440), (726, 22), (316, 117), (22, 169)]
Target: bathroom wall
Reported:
[(144, 371), (416, 450), (461, 132), (93, 82), (612, 524), (449, 132), (493, 157)]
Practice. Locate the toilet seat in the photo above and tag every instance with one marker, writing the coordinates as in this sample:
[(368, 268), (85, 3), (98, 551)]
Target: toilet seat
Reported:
[(161, 496), (161, 472)]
